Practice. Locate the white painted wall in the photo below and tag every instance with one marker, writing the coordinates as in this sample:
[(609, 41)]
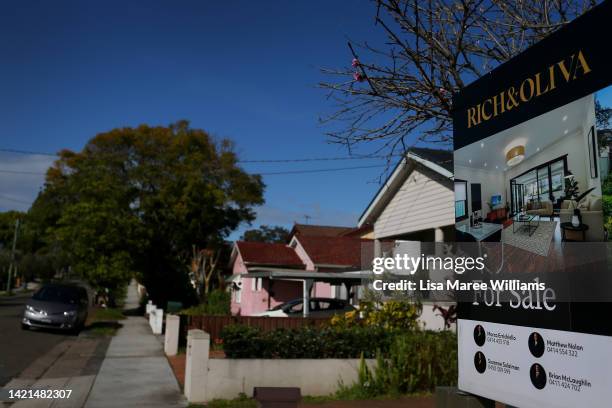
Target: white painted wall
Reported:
[(421, 203), (207, 379), (431, 320), (227, 378)]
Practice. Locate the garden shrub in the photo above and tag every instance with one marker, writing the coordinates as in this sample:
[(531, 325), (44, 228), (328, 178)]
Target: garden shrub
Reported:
[(416, 362), (606, 185), (606, 202), (307, 342), (217, 303), (393, 315), (240, 341)]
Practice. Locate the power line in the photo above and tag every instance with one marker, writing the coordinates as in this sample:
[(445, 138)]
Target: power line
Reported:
[(3, 197), (320, 159), (273, 173), (276, 173), (21, 172), (27, 152), (308, 159)]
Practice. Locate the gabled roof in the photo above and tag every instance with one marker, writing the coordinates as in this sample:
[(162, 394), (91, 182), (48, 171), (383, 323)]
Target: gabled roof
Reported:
[(357, 232), (319, 230), (436, 160), (333, 251), (265, 253), (440, 157)]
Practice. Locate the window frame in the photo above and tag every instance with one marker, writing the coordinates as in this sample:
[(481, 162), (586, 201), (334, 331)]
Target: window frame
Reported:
[(465, 202)]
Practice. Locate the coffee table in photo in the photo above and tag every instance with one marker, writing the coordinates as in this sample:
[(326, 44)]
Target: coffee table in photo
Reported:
[(525, 222)]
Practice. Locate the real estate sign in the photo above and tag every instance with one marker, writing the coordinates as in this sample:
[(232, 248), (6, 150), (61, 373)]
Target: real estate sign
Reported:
[(529, 168)]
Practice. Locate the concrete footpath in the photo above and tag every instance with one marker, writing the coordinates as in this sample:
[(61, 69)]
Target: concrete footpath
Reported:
[(70, 365), (135, 371), (127, 370)]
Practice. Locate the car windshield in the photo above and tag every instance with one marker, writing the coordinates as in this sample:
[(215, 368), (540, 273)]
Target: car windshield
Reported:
[(59, 294), (282, 305)]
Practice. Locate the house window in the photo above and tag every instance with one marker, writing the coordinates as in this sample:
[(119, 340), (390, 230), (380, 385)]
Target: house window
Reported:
[(237, 289), (460, 200), (256, 284)]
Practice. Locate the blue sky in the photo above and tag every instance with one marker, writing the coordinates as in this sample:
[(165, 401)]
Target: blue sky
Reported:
[(243, 70), (246, 70)]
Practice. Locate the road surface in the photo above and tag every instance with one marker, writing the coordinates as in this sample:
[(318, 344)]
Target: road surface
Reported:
[(19, 348)]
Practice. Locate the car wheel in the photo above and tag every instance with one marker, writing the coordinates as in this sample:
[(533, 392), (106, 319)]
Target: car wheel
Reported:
[(25, 326)]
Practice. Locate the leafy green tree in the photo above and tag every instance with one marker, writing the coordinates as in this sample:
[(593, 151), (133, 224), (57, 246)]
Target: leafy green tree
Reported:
[(7, 227), (136, 201), (267, 233)]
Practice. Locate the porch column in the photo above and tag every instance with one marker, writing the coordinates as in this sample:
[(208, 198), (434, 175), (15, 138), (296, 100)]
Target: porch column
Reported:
[(377, 248), (270, 292), (307, 286), (439, 235)]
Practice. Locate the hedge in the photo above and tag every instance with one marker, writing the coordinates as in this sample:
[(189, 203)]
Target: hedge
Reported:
[(241, 341)]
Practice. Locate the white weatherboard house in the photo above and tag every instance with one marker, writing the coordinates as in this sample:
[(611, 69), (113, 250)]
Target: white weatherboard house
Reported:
[(416, 202), (414, 205)]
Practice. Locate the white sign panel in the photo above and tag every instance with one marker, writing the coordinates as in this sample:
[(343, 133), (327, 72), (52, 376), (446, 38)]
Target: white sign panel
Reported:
[(533, 367)]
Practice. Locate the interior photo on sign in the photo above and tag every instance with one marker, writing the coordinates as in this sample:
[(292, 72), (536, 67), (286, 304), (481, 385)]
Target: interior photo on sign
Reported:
[(531, 184)]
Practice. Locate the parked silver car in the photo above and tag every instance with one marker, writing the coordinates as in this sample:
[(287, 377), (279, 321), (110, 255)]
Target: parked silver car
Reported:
[(57, 306), (319, 307)]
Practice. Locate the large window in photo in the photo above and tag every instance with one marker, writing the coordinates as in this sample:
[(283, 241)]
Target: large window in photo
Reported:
[(460, 200), (544, 183), (539, 170)]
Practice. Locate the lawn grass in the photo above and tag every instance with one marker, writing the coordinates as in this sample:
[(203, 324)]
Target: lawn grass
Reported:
[(4, 293), (241, 402), (106, 314), (246, 402), (104, 321)]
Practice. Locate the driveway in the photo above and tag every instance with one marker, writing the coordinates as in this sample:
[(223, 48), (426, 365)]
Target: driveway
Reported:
[(20, 348)]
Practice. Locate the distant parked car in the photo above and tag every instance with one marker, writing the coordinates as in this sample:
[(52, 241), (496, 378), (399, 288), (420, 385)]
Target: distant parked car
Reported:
[(319, 307), (57, 306)]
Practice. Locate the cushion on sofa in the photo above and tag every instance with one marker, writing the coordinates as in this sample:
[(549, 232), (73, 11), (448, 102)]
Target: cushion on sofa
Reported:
[(595, 204)]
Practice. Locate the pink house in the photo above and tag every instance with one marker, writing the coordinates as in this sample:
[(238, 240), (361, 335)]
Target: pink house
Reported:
[(306, 251)]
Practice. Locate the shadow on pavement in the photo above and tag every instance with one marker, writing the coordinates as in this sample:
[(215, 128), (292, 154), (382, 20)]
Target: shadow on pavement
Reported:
[(134, 312), (102, 325)]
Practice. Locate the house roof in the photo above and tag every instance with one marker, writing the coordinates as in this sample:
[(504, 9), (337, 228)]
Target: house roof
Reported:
[(265, 253), (359, 231), (319, 230), (333, 251), (436, 160), (443, 158)]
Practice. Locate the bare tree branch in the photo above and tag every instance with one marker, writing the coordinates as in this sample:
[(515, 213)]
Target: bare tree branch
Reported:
[(400, 93)]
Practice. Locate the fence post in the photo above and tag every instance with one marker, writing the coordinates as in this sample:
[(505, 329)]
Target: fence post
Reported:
[(152, 318), (159, 321), (196, 368), (150, 306), (173, 324)]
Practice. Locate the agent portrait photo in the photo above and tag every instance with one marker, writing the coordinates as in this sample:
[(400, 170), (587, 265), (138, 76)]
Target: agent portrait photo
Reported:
[(479, 335), (538, 376), (536, 344), (480, 362)]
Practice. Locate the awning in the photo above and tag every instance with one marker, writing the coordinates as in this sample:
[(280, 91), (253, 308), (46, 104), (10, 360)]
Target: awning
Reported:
[(351, 278)]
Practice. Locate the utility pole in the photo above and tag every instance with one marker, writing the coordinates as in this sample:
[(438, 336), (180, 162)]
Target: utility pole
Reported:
[(12, 265)]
